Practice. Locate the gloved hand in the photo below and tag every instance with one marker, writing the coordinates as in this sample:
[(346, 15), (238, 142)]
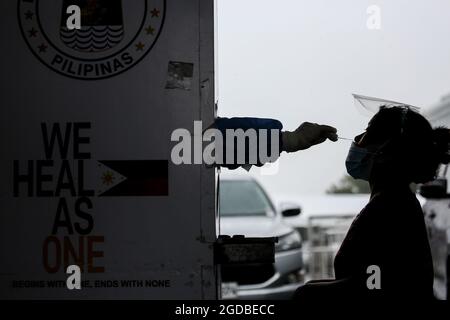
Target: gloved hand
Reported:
[(307, 135)]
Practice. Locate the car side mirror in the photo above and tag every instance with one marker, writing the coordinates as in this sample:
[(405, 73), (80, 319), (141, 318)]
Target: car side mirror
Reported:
[(435, 189), (290, 210)]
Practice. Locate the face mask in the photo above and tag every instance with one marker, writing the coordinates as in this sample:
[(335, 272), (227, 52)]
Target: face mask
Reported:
[(359, 162)]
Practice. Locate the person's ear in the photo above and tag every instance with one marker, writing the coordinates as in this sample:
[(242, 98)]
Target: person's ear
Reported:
[(359, 139)]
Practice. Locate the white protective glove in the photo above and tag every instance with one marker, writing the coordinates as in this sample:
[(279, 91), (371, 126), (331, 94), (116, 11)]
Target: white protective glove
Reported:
[(307, 135)]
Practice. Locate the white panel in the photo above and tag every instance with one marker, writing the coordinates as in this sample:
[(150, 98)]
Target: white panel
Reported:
[(132, 115)]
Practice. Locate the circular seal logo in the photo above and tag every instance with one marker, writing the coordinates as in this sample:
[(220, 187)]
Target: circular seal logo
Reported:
[(115, 35)]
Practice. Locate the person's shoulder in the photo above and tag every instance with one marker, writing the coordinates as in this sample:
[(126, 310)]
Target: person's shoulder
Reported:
[(394, 202), (394, 194), (388, 205)]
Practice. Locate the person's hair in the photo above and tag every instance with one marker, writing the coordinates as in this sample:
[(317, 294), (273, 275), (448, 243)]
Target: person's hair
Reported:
[(414, 148)]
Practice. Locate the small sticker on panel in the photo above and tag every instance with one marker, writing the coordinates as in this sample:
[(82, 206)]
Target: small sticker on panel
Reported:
[(180, 75)]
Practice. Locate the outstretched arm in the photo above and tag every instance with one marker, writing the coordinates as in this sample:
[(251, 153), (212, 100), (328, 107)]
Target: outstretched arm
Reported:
[(305, 136)]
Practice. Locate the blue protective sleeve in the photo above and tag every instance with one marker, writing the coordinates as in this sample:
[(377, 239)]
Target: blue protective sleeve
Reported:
[(223, 124)]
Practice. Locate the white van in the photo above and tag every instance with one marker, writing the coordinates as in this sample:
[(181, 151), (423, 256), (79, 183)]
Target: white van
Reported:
[(437, 209)]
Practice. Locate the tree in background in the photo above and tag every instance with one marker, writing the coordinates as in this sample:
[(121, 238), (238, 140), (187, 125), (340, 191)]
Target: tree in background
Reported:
[(349, 185)]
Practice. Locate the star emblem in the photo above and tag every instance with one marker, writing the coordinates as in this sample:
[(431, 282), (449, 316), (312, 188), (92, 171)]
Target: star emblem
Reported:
[(29, 15), (155, 13), (140, 46), (42, 48), (150, 30), (32, 33), (108, 178)]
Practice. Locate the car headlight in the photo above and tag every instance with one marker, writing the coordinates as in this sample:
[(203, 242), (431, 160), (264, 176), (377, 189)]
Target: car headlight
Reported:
[(289, 241)]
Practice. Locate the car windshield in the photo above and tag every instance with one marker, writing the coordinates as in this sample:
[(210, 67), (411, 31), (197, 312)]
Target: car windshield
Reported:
[(241, 197)]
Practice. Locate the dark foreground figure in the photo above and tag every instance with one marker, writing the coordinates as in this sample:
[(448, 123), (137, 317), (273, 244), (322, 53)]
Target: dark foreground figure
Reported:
[(398, 148)]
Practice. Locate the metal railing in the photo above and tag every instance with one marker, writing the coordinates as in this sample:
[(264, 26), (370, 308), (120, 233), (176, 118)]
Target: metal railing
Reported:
[(325, 235)]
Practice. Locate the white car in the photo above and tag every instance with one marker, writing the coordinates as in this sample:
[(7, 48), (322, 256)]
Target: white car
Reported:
[(246, 209)]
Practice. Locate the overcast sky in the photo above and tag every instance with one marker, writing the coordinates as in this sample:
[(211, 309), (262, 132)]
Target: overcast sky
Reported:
[(298, 61)]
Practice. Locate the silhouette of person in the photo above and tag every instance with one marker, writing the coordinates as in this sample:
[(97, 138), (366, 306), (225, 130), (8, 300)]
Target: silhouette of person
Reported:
[(398, 148)]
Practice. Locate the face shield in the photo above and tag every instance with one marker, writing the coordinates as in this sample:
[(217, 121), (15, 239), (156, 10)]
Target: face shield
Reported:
[(369, 106)]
